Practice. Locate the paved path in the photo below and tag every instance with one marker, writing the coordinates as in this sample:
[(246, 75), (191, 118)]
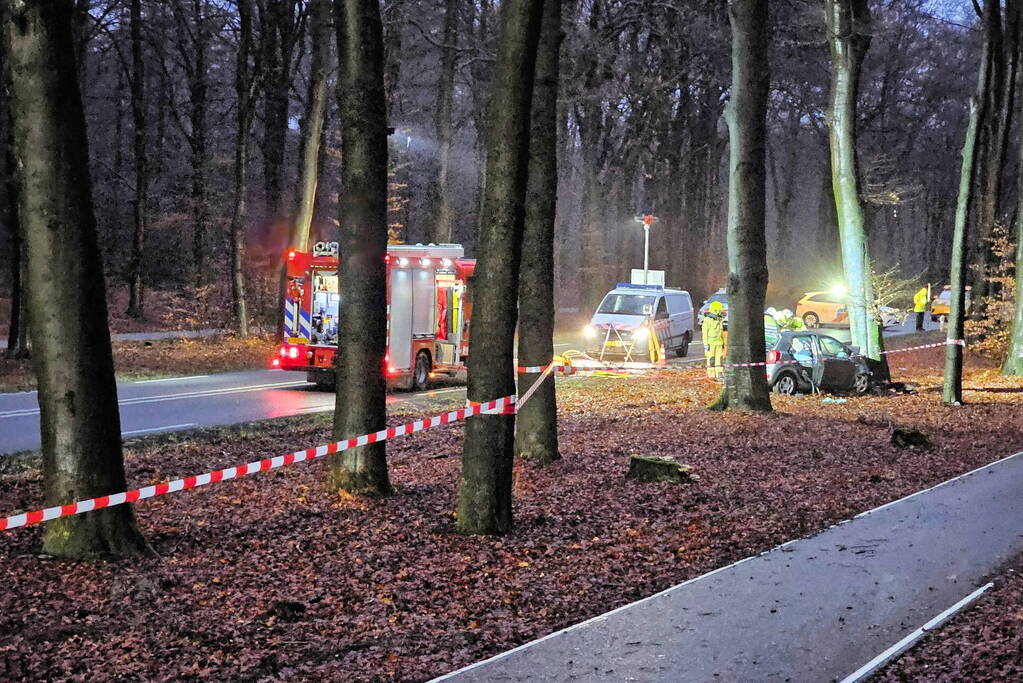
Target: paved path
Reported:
[(815, 609)]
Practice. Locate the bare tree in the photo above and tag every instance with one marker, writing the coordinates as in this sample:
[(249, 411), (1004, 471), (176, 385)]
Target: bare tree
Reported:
[(17, 331), (360, 406), (79, 420), (746, 387), (848, 27), (136, 296), (952, 389), (247, 81), (193, 55), (536, 429), (312, 126), (282, 24), (444, 124), (485, 487)]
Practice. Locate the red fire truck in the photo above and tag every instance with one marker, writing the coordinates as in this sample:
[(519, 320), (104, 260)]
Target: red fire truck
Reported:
[(428, 313)]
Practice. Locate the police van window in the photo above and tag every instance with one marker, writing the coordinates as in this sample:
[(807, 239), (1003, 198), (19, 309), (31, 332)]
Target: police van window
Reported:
[(627, 304), (662, 308)]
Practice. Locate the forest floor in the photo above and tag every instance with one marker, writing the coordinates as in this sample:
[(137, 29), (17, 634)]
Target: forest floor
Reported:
[(162, 358), (984, 643), (272, 576)]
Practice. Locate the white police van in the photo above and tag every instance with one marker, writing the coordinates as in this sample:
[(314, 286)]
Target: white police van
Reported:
[(622, 322)]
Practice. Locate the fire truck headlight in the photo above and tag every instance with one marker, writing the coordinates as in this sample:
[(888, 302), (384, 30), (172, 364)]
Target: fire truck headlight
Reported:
[(641, 334), (446, 262), (284, 351), (293, 352), (402, 262), (589, 332), (424, 262)]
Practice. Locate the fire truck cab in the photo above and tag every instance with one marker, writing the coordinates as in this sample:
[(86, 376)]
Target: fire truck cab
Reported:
[(428, 312)]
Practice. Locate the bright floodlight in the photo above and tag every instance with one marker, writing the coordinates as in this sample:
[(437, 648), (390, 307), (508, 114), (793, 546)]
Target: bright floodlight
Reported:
[(839, 289), (641, 334), (590, 331)]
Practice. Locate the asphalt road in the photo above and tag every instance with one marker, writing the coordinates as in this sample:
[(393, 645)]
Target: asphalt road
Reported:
[(180, 403)]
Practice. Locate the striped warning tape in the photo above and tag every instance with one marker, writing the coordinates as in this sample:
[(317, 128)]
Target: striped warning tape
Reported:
[(695, 367), (495, 407), (533, 369), (947, 342)]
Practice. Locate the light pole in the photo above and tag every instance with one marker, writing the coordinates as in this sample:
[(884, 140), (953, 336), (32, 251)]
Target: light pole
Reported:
[(647, 220)]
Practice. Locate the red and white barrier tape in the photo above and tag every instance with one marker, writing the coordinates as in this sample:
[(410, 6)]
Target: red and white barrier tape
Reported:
[(727, 366), (533, 369), (947, 342), (498, 406)]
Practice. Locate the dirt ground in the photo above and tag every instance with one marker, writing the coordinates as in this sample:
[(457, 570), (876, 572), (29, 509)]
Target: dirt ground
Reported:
[(162, 358), (273, 577)]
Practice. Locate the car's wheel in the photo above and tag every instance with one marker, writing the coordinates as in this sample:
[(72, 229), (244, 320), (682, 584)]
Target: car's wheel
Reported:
[(683, 349), (811, 320), (786, 384), (421, 373), (861, 384)]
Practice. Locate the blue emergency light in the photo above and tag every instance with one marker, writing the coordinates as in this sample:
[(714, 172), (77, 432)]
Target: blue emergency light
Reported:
[(627, 285)]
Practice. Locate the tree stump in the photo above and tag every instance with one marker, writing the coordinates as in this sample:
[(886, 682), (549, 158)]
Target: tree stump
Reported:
[(652, 469), (908, 437)]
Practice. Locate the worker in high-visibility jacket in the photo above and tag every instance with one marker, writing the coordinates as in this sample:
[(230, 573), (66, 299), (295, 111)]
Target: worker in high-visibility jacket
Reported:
[(713, 332), (920, 308)]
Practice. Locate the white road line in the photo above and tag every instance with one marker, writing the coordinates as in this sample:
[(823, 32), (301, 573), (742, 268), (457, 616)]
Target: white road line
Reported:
[(910, 640), (168, 379), (24, 412), (157, 429)]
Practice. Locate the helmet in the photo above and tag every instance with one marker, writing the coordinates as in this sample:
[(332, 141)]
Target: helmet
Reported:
[(771, 312), (787, 313), (716, 307)]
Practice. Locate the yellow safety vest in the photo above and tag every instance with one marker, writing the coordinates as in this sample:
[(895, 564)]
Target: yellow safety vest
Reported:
[(920, 301), (713, 331)]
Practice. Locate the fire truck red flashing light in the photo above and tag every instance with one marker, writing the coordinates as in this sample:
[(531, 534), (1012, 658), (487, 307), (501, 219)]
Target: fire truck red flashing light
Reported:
[(428, 312)]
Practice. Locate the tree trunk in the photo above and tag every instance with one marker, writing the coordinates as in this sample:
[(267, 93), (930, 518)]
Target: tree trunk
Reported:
[(993, 144), (536, 434), (952, 389), (485, 487), (444, 124), (17, 332), (245, 90), (848, 27), (136, 300), (279, 41), (198, 90), (312, 129), (746, 114), (1014, 361), (360, 406), (79, 421)]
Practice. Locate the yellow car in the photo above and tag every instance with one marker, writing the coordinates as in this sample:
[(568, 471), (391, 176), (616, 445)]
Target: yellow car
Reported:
[(939, 307), (822, 308)]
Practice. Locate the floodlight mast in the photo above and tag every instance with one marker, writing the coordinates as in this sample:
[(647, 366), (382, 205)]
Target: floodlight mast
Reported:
[(647, 220)]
